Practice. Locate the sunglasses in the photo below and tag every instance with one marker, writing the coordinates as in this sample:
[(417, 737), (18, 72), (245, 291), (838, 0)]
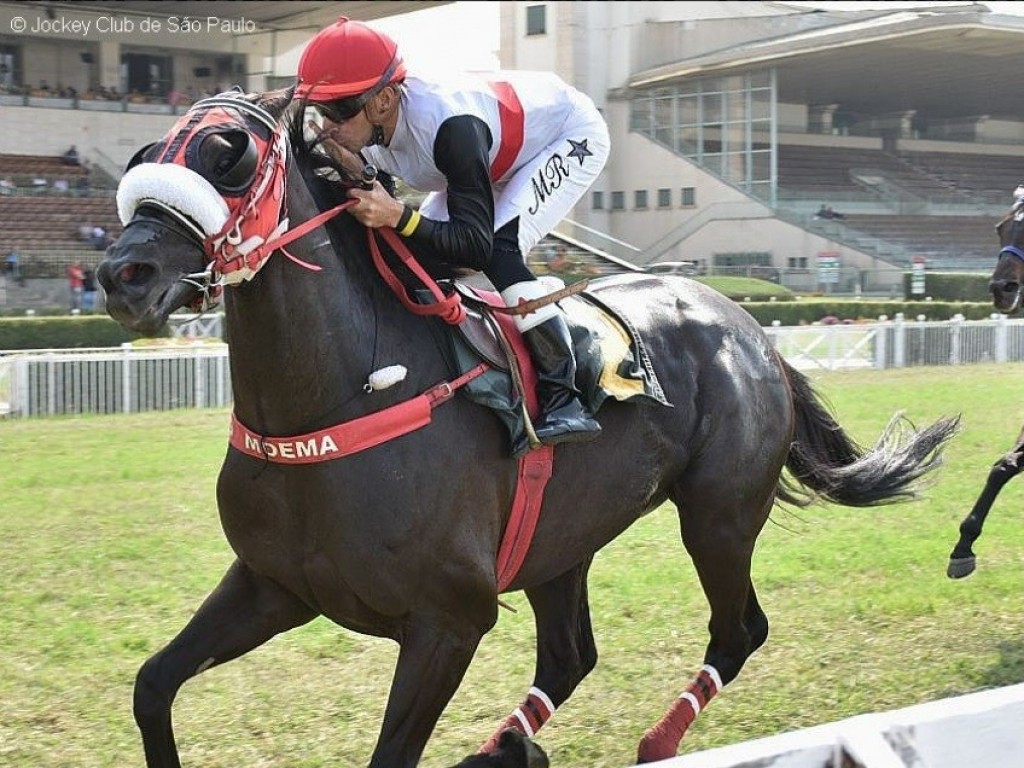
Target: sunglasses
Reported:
[(340, 110)]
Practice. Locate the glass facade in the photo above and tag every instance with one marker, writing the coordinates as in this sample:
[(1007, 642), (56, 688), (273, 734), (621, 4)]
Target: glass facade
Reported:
[(724, 124)]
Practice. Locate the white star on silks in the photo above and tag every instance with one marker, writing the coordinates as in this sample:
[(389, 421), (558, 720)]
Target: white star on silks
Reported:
[(579, 150)]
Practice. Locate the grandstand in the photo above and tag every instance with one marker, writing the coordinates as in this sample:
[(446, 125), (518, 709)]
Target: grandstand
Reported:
[(731, 124)]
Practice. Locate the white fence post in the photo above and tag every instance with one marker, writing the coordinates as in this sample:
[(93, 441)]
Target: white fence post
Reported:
[(126, 377), (51, 384), (882, 342), (957, 325), (198, 385), (1002, 338), (899, 348)]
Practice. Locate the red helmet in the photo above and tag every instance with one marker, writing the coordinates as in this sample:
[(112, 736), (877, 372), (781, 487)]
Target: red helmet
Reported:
[(346, 59)]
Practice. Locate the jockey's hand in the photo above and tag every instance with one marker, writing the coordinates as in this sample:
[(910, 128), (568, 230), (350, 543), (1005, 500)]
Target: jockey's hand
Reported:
[(348, 159), (376, 208)]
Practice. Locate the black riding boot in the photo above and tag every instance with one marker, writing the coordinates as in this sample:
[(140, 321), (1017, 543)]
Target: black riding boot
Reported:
[(563, 418)]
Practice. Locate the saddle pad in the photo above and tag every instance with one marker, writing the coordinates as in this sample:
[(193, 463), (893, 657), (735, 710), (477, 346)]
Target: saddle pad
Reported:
[(611, 362)]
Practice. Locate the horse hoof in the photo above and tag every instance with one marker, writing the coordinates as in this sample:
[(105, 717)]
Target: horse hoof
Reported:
[(959, 567)]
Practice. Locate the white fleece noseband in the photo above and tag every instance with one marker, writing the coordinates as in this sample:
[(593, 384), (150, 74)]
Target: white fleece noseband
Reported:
[(177, 189)]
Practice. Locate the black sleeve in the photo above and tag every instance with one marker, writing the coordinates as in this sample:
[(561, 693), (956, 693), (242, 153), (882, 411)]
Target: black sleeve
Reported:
[(461, 154)]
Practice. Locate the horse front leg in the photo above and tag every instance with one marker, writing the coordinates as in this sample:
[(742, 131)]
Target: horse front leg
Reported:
[(566, 652), (243, 612), (962, 560), (435, 652)]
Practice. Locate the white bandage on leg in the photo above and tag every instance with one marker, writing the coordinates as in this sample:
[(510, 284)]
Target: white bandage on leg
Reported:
[(528, 290)]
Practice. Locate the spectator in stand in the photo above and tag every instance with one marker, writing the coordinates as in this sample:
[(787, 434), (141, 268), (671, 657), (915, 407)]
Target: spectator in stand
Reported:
[(12, 266), (61, 186), (99, 238), (76, 279), (88, 290), (826, 212), (6, 187), (71, 156)]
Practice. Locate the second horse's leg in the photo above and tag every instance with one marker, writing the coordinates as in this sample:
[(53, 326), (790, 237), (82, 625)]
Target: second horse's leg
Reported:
[(962, 560), (243, 612)]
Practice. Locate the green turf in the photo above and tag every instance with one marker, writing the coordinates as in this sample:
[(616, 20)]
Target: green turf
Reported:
[(109, 539)]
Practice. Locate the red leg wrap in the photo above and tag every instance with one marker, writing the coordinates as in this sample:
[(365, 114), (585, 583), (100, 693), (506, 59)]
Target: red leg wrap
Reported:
[(662, 741), (527, 718)]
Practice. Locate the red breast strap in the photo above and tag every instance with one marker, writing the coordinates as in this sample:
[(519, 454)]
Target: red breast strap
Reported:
[(351, 436)]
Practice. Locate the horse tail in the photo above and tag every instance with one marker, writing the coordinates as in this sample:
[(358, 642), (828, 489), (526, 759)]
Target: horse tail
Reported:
[(825, 463)]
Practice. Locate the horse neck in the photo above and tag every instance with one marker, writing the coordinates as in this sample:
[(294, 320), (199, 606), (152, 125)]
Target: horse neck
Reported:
[(303, 342)]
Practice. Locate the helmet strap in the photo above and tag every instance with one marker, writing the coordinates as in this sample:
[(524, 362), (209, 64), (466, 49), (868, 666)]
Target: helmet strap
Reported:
[(377, 137)]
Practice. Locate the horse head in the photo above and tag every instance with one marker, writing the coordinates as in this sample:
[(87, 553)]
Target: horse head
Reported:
[(1007, 282), (199, 209)]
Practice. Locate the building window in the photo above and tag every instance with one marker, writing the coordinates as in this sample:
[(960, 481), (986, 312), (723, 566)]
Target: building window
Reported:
[(797, 262), (536, 20), (664, 198), (688, 197), (640, 199), (10, 67), (618, 201), (597, 200)]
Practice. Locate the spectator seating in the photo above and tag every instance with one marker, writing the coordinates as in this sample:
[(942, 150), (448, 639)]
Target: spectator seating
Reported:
[(46, 224), (838, 173), (945, 240), (987, 178)]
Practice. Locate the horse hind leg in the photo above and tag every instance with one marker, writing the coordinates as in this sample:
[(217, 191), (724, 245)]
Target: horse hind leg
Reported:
[(962, 560), (721, 546), (566, 651), (242, 613)]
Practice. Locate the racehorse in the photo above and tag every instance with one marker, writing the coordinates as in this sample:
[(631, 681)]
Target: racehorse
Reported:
[(399, 539), (1007, 288)]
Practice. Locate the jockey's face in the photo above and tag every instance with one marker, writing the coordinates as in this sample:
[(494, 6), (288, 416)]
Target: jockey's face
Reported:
[(352, 133)]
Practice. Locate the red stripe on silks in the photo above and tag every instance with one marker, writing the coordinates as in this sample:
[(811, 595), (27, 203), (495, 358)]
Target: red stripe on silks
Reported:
[(661, 742), (511, 117)]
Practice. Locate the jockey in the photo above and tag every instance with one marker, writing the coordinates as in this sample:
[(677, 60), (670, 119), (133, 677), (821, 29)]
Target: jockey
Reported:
[(503, 157)]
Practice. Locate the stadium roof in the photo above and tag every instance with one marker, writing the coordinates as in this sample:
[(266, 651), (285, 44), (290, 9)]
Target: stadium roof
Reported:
[(941, 61), (266, 14)]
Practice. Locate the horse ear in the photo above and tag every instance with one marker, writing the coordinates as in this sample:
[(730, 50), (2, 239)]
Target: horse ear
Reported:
[(275, 102)]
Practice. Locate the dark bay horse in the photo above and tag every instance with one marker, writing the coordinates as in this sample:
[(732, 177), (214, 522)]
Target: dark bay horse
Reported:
[(1007, 287), (400, 540)]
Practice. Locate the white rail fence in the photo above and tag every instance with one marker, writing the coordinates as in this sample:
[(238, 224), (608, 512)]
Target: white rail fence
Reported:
[(196, 375), (977, 730)]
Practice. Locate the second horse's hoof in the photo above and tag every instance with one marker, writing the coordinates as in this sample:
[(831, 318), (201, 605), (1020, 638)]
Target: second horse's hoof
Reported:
[(959, 567)]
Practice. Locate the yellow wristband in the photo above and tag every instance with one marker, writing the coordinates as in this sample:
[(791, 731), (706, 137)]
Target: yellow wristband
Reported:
[(411, 224)]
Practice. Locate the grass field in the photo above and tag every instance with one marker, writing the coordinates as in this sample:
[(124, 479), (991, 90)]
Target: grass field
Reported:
[(109, 539)]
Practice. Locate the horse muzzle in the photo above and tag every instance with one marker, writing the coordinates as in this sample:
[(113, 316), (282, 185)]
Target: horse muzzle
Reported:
[(1006, 294), (141, 290)]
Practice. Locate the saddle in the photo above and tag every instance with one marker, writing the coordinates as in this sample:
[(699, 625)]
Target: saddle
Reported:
[(611, 359)]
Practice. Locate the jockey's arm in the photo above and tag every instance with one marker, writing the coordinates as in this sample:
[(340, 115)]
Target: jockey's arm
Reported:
[(461, 154)]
